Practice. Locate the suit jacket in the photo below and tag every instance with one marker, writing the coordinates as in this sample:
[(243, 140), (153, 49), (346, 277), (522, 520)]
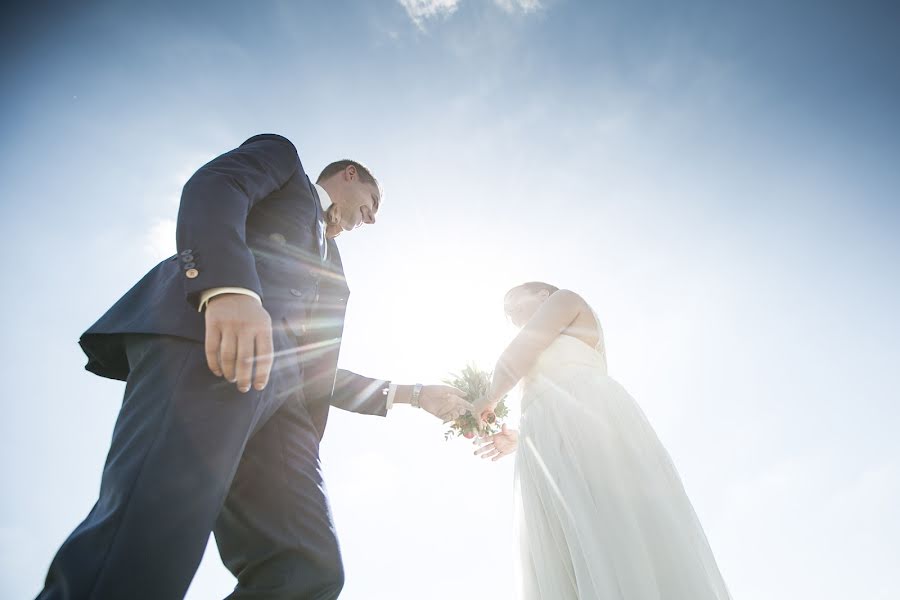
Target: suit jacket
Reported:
[(249, 218)]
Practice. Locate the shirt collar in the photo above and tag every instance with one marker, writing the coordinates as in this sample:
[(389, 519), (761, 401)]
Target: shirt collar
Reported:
[(324, 198)]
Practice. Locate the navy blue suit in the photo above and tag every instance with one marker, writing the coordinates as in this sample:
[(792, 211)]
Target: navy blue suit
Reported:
[(190, 454)]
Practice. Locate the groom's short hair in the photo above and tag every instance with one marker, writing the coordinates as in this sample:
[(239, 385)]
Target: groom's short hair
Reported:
[(536, 286), (365, 175)]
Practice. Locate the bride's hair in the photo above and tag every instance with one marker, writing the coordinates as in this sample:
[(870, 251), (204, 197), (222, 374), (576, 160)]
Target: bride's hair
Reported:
[(536, 286)]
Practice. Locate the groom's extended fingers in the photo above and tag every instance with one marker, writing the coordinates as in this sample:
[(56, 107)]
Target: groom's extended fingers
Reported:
[(244, 363), (449, 390), (456, 411), (265, 355), (228, 354), (456, 407), (213, 340)]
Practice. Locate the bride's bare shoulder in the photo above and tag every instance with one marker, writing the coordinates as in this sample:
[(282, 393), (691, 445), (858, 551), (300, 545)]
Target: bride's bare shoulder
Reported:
[(583, 322), (570, 303), (569, 299)]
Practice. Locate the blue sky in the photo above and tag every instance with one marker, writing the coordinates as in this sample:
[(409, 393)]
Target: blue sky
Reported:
[(719, 181)]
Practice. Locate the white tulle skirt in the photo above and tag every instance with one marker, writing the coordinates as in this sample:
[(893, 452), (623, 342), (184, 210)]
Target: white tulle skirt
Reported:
[(601, 511)]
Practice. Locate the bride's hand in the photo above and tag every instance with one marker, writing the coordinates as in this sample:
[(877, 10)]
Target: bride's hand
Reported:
[(482, 411), (498, 445), (484, 406)]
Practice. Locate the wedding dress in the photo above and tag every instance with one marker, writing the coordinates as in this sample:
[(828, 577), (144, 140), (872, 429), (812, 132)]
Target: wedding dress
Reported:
[(601, 511)]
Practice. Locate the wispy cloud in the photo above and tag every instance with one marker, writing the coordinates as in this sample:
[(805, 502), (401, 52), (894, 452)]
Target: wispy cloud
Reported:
[(421, 11), (525, 6), (159, 240)]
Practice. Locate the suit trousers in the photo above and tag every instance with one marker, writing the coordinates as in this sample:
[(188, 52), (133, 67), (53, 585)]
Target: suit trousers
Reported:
[(192, 455)]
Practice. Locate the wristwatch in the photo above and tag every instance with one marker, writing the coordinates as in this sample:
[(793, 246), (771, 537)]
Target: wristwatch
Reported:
[(414, 399)]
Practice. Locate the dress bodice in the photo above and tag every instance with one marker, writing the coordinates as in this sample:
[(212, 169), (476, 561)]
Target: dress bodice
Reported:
[(564, 363), (567, 352)]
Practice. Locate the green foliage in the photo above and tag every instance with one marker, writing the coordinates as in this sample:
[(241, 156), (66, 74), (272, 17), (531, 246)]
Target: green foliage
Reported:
[(476, 384)]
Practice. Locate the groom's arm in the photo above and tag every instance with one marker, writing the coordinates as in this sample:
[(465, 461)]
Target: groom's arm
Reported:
[(368, 396), (213, 254), (360, 394), (215, 203)]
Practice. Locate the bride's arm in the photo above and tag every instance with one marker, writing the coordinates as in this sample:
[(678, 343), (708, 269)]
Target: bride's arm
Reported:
[(551, 319)]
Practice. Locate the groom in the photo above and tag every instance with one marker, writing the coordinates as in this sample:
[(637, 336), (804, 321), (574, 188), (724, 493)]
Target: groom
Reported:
[(230, 351)]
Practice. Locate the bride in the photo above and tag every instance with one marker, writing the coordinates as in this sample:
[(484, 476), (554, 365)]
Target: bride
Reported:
[(601, 512)]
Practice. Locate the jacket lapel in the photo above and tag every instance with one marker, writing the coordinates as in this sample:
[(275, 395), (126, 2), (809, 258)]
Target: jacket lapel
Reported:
[(320, 223)]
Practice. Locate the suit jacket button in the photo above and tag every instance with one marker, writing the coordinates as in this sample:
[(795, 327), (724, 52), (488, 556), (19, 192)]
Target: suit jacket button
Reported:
[(187, 252), (187, 257), (191, 273), (277, 238), (189, 266), (296, 292)]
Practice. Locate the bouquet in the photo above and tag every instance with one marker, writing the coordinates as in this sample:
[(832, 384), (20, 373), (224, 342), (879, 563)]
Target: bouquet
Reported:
[(476, 384)]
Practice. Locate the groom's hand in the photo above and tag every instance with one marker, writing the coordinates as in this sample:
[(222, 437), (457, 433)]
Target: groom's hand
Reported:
[(239, 336), (444, 401)]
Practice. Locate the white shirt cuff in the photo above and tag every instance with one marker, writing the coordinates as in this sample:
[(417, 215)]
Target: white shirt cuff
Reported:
[(392, 391), (211, 292)]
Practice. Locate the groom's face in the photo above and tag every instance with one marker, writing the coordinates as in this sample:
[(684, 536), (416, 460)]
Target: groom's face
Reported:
[(358, 200)]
